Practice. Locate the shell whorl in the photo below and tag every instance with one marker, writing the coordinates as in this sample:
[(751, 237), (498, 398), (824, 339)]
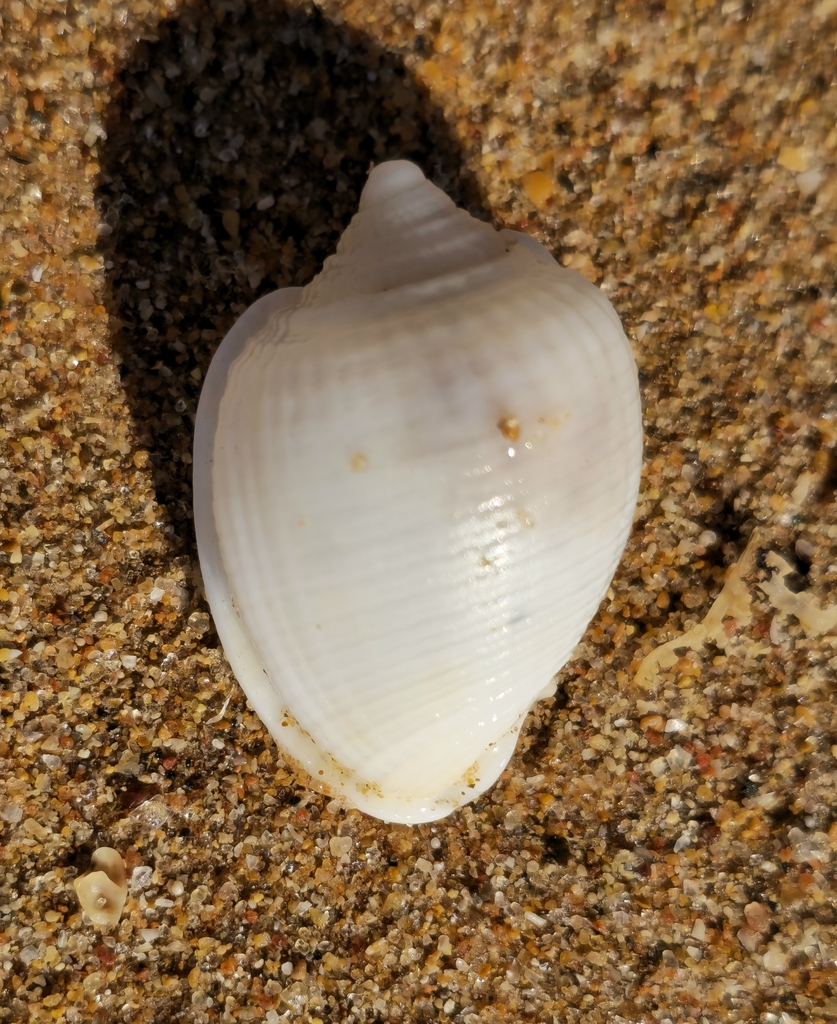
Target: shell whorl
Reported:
[(405, 233)]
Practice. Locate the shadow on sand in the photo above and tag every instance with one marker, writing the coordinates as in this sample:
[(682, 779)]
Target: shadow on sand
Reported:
[(237, 144)]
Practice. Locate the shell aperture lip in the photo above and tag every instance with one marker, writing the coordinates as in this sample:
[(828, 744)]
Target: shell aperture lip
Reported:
[(394, 589)]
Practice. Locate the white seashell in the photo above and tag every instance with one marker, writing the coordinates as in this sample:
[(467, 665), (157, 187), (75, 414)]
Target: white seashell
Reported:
[(413, 482), (103, 890)]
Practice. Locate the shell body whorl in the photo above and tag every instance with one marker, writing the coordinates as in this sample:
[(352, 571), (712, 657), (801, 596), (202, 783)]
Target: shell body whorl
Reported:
[(413, 482)]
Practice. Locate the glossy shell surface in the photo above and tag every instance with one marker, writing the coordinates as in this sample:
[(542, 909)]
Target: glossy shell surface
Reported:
[(414, 479)]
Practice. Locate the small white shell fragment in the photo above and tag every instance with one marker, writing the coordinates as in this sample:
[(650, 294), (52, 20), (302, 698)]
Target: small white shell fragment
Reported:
[(102, 891), (413, 482)]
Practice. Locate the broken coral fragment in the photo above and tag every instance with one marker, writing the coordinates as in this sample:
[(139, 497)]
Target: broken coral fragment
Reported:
[(732, 611), (815, 620), (102, 892), (732, 603)]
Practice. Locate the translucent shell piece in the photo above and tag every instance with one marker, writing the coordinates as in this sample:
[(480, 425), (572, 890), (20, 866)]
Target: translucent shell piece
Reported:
[(414, 479)]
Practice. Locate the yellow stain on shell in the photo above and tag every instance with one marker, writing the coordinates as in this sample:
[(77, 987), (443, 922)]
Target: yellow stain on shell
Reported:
[(509, 427)]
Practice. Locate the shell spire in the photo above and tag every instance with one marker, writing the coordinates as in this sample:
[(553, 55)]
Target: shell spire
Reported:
[(406, 232), (413, 482)]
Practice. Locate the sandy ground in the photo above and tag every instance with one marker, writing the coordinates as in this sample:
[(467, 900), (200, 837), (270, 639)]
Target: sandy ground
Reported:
[(662, 845)]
